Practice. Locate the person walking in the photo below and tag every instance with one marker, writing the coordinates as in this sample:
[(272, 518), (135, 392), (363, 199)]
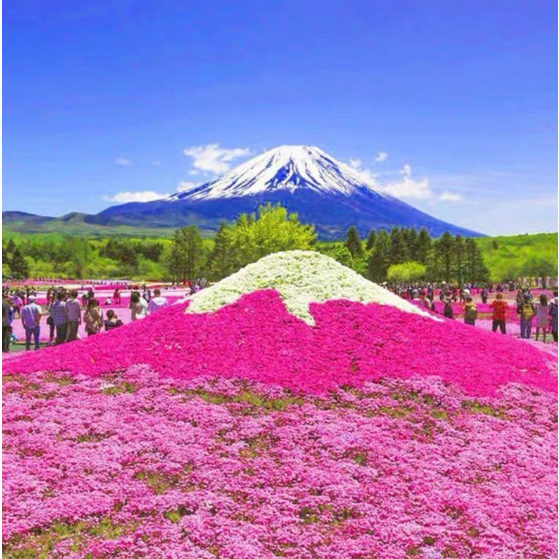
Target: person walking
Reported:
[(31, 321), (60, 317), (157, 302), (484, 294), (527, 312), (74, 312), (500, 309), (542, 312)]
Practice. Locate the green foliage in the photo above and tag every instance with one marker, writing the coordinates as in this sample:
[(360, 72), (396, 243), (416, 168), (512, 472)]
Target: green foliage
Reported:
[(520, 255), (380, 258), (371, 240), (254, 236), (187, 256), (406, 272), (353, 242)]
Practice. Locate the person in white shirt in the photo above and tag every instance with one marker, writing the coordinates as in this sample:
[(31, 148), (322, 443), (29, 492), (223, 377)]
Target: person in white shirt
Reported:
[(138, 307), (157, 302)]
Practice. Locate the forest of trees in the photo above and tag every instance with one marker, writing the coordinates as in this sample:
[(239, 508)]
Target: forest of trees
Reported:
[(397, 255), (404, 255)]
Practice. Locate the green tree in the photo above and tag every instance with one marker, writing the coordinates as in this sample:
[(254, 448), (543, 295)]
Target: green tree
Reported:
[(411, 237), (475, 268), (398, 246), (187, 255), (379, 260), (19, 267), (353, 242), (444, 256), (254, 236), (406, 272), (371, 240), (459, 260), (423, 246)]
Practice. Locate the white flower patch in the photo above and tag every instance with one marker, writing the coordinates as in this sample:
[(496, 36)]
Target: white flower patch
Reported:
[(300, 277)]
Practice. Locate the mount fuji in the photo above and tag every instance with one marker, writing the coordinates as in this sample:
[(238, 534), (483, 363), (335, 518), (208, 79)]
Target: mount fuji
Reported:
[(321, 190)]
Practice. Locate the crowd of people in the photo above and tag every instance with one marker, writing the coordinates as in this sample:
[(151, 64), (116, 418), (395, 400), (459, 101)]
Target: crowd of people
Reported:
[(530, 309), (66, 311)]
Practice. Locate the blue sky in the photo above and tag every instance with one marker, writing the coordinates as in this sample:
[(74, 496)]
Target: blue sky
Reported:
[(107, 101)]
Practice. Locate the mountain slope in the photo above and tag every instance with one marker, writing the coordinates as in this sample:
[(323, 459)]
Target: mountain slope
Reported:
[(323, 191)]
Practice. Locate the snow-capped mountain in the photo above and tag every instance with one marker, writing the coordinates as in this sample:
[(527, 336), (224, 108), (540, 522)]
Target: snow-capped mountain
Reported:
[(323, 191), (287, 168)]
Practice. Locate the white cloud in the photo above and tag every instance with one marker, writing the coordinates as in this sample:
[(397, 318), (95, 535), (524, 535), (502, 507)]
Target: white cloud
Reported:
[(214, 159), (355, 163), (156, 163), (409, 188), (381, 156), (406, 171), (183, 186), (447, 196), (123, 161), (143, 196)]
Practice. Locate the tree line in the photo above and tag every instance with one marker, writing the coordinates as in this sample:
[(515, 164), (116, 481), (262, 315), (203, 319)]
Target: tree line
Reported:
[(396, 255)]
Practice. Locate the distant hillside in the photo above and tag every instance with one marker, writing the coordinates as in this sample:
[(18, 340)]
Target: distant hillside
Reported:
[(520, 255), (75, 224)]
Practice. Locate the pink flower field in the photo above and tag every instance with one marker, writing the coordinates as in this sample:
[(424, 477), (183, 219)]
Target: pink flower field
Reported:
[(247, 433)]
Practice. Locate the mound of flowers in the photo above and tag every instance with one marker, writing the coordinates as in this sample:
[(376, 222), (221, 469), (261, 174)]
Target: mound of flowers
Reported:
[(269, 423)]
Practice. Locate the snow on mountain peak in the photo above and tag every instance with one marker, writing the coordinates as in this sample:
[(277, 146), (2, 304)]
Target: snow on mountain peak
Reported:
[(284, 168)]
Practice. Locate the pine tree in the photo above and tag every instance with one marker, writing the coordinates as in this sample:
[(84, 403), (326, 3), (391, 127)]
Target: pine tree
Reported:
[(475, 269), (353, 242), (18, 265), (379, 261), (459, 263), (411, 238), (371, 240), (444, 253), (219, 263), (423, 246), (398, 246)]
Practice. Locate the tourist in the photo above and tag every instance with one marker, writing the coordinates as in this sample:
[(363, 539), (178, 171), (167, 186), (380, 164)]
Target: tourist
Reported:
[(553, 313), (484, 294), (470, 311), (31, 321), (74, 313), (17, 303), (138, 307), (92, 318), (542, 312), (6, 327), (157, 302), (500, 309), (112, 321), (116, 296), (527, 312), (50, 323), (60, 317), (447, 310)]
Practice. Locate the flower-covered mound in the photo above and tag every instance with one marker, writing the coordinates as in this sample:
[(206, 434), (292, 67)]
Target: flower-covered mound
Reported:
[(300, 277), (256, 338), (135, 465), (363, 431)]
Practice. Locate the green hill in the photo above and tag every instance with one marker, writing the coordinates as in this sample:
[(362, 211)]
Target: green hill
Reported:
[(520, 255)]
